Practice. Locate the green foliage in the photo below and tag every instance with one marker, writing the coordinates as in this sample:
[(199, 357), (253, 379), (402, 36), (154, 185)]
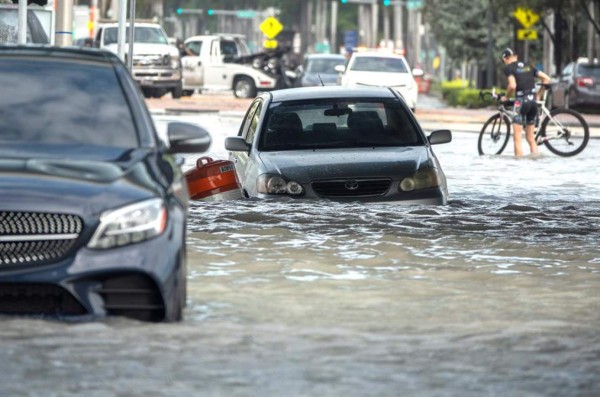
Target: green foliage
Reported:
[(457, 93)]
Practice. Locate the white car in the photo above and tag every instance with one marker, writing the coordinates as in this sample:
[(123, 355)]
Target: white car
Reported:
[(381, 69)]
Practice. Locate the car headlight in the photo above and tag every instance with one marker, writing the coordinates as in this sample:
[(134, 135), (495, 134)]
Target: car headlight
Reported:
[(275, 184), (130, 224), (175, 62), (422, 179)]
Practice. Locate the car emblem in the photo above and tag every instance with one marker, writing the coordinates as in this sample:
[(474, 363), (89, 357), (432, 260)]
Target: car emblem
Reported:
[(351, 184)]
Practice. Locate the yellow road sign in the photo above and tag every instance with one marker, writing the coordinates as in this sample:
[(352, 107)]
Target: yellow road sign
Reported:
[(527, 34), (527, 17), (271, 27), (270, 44)]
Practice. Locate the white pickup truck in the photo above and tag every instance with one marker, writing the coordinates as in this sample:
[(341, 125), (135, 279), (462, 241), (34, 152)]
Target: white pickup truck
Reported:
[(156, 63), (215, 62)]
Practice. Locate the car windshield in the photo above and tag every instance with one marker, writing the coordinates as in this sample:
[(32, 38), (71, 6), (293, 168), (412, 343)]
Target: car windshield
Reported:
[(323, 65), (53, 101), (143, 34), (589, 70), (338, 123), (378, 64)]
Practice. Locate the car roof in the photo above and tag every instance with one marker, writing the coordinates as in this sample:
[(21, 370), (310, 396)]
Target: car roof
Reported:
[(376, 54), (322, 92), (328, 56), (136, 24), (78, 53), (216, 36)]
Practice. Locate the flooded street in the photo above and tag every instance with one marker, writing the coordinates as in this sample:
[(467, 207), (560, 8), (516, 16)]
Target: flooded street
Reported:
[(495, 294)]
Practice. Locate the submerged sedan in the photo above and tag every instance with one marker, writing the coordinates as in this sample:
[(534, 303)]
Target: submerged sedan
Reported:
[(93, 206), (338, 143)]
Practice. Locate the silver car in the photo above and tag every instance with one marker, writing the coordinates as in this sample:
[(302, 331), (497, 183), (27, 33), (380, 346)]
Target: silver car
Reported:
[(337, 143)]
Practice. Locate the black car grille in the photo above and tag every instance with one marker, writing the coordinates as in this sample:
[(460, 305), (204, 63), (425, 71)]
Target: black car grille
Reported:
[(351, 187), (36, 238), (39, 300)]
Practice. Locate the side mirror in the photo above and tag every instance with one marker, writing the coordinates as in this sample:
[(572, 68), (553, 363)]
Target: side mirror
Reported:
[(440, 136), (187, 138), (417, 72), (236, 144), (340, 68)]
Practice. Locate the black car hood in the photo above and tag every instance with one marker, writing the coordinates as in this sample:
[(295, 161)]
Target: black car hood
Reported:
[(308, 165), (75, 185)]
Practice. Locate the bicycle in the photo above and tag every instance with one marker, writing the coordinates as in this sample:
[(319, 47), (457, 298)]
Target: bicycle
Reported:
[(563, 131)]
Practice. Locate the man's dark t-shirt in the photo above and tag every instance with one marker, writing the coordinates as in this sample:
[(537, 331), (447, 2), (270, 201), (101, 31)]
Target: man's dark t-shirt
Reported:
[(525, 76)]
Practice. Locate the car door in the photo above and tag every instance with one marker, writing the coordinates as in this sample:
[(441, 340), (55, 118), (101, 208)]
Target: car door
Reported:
[(193, 69), (221, 70), (246, 162)]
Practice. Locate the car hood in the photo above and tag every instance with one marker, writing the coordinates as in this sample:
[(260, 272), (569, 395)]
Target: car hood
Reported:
[(147, 49), (380, 78), (307, 165), (80, 186)]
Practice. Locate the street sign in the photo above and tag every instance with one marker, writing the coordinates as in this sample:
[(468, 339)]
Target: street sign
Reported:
[(527, 34), (271, 27), (270, 44), (526, 17), (414, 4)]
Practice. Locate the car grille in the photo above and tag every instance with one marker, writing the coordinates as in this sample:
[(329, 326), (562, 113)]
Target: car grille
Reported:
[(134, 296), (151, 60), (36, 238), (38, 299), (351, 187)]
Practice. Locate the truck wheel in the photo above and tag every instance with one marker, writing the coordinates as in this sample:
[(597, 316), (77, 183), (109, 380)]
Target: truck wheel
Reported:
[(177, 91), (158, 92), (188, 92), (244, 87)]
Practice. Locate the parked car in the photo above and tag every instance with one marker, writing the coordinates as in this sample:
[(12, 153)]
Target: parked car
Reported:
[(156, 63), (319, 69), (94, 205), (337, 143), (385, 69), (577, 86)]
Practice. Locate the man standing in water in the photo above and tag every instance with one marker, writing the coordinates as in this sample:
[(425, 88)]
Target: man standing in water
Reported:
[(521, 83)]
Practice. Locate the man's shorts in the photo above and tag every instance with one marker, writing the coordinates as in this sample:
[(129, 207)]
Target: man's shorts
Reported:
[(525, 110)]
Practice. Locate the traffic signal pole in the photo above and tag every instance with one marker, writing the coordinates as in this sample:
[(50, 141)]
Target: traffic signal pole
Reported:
[(22, 16), (63, 35)]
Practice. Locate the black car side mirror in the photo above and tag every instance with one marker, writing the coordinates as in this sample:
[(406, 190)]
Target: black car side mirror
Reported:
[(236, 144), (440, 136), (187, 138)]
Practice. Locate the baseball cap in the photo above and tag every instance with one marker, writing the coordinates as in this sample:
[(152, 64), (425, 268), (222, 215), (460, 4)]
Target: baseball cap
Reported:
[(508, 52)]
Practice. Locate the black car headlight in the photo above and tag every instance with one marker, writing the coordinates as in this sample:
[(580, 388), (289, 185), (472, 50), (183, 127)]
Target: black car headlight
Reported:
[(422, 179), (130, 224), (275, 184)]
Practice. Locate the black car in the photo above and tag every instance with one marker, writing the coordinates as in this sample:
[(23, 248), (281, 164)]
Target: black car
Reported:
[(577, 86), (93, 204)]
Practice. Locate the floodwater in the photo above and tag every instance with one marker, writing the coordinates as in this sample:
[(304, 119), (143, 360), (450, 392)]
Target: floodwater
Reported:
[(495, 294)]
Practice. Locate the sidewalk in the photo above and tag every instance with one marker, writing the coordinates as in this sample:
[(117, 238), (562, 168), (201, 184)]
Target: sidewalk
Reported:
[(431, 111)]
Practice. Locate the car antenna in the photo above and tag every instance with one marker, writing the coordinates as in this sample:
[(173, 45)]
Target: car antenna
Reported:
[(321, 80)]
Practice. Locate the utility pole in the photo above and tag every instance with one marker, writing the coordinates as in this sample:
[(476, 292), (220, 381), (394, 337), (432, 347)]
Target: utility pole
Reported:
[(490, 47), (64, 23), (22, 16), (334, 13)]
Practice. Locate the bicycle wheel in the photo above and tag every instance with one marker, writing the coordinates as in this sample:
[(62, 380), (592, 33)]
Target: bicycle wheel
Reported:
[(494, 135), (565, 132)]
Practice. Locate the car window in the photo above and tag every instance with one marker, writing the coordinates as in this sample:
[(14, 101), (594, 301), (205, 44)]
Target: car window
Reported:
[(378, 64), (338, 124), (248, 119), (52, 101), (143, 34), (567, 70), (228, 48), (323, 65), (253, 124), (588, 70), (194, 47)]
